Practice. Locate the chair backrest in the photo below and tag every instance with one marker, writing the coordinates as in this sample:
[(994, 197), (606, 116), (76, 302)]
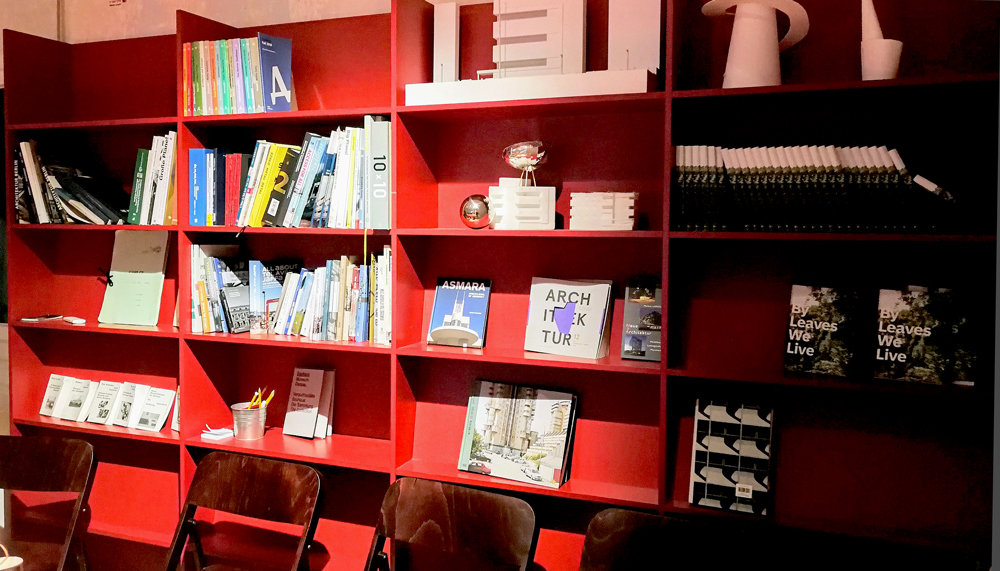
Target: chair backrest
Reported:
[(464, 527), (620, 539), (254, 487), (50, 464), (45, 464)]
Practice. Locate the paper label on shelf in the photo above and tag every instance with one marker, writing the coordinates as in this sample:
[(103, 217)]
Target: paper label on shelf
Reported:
[(744, 491)]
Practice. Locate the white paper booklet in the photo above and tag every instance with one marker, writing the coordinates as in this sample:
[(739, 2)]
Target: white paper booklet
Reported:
[(569, 317), (72, 398), (51, 394), (303, 403), (324, 420), (104, 401), (138, 404), (175, 422), (123, 405), (155, 409)]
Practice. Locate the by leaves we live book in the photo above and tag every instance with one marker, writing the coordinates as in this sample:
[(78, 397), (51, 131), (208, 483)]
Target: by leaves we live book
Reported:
[(461, 308), (519, 433), (912, 336), (569, 317), (731, 457), (821, 331)]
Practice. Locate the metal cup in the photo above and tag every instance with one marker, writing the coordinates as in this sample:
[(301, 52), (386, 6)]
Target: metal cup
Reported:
[(248, 423)]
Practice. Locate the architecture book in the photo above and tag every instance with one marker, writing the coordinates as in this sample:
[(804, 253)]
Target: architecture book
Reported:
[(123, 404), (138, 404), (821, 331), (303, 403), (72, 398), (518, 433), (731, 457), (155, 409), (104, 399), (461, 307), (641, 322), (569, 317), (51, 394)]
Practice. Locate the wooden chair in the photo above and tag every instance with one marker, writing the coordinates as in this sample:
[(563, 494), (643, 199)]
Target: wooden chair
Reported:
[(620, 539), (437, 526), (46, 538), (253, 487)]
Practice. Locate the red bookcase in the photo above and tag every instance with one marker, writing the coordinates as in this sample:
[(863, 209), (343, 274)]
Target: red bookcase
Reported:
[(856, 456)]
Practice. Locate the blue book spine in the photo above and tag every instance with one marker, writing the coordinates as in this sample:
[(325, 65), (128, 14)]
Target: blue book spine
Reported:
[(276, 72), (219, 285), (196, 186), (295, 300), (361, 321), (326, 299), (315, 166)]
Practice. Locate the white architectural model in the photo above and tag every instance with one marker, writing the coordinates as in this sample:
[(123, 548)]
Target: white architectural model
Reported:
[(541, 51), (517, 207), (879, 56), (602, 210)]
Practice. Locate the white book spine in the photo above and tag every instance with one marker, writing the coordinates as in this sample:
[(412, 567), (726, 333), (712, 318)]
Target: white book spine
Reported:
[(34, 183), (164, 182), (149, 187), (138, 404), (323, 418)]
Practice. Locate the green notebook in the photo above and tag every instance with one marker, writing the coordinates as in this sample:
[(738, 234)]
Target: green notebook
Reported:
[(135, 285)]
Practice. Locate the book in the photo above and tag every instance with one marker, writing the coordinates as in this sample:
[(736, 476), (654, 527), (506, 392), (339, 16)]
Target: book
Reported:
[(197, 186), (276, 72), (266, 279), (287, 302), (460, 311), (135, 283), (730, 457), (138, 405), (641, 322), (165, 180), (72, 398), (304, 292), (123, 404), (35, 184), (569, 317), (236, 307), (52, 390), (303, 403), (324, 417), (518, 433), (820, 336), (175, 422), (912, 336), (379, 179), (89, 402), (196, 81), (281, 188), (104, 399), (155, 409), (138, 182)]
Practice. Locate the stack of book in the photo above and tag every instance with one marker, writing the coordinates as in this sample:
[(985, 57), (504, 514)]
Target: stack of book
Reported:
[(805, 189), (154, 190), (50, 194), (340, 301), (340, 181), (243, 75), (109, 403)]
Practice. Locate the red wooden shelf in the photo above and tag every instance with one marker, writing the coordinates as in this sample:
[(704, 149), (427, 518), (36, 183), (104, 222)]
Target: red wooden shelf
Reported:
[(840, 86), (601, 492), (556, 106), (89, 227), (129, 533), (830, 236), (165, 436), (288, 341), (137, 330), (97, 124), (464, 232), (371, 454), (489, 354), (286, 231), (284, 117)]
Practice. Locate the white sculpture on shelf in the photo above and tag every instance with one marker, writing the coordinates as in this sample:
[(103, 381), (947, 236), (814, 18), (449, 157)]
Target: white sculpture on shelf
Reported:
[(541, 52), (879, 56), (602, 210), (754, 47), (518, 207)]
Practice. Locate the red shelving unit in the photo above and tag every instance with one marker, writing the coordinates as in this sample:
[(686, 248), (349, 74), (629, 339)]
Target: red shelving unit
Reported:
[(854, 456)]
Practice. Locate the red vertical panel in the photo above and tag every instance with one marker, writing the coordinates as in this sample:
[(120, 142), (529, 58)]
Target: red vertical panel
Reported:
[(36, 78), (412, 52)]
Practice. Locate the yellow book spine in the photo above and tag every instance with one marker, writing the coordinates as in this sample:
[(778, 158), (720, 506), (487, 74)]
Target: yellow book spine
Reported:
[(205, 312), (274, 159)]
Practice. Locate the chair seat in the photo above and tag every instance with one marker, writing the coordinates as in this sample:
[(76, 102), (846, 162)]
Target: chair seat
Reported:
[(37, 555), (246, 546)]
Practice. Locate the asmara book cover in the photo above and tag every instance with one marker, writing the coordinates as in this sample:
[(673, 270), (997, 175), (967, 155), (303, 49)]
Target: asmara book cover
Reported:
[(731, 457), (518, 433), (461, 307), (820, 336), (912, 336)]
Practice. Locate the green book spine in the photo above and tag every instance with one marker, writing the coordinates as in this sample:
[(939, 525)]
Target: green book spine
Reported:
[(221, 48), (196, 77), (138, 181)]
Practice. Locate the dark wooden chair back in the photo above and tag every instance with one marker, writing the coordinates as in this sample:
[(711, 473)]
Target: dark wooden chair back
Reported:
[(620, 539), (254, 487), (436, 526), (49, 464)]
